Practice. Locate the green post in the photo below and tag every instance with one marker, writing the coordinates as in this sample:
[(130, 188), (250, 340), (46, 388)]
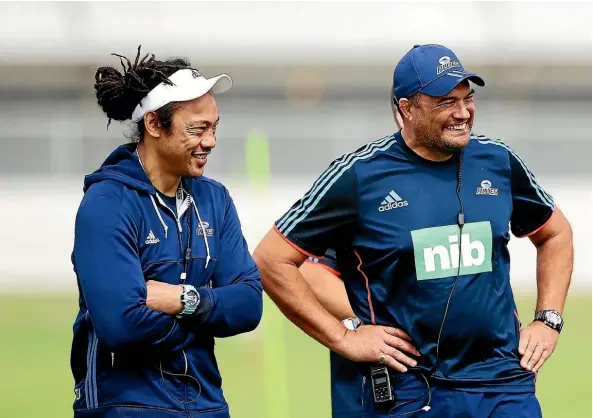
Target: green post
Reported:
[(274, 339)]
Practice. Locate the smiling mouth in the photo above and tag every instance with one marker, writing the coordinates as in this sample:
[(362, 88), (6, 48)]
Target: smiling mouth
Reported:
[(460, 127), (200, 155)]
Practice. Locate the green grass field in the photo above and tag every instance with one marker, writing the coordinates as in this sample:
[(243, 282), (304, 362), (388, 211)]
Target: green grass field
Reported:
[(35, 335)]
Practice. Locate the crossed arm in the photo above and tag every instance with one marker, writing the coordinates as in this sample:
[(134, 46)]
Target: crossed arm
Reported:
[(126, 311)]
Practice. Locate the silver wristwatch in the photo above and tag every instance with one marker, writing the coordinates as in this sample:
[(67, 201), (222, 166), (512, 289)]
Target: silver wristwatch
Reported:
[(190, 298), (352, 323), (551, 318)]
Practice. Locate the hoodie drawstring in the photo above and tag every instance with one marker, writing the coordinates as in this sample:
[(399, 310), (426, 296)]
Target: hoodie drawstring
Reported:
[(203, 231), (165, 227), (156, 209)]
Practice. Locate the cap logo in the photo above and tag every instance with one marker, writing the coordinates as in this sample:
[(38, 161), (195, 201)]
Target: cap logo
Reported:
[(195, 74), (446, 64)]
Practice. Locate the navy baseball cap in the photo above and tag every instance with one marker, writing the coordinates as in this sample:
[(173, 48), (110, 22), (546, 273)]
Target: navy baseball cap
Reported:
[(430, 69)]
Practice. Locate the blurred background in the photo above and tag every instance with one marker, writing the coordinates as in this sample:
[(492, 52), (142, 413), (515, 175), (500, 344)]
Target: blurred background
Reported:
[(311, 82)]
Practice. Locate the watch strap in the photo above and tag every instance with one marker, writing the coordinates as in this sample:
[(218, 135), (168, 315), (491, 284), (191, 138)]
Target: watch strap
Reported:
[(543, 316), (188, 309)]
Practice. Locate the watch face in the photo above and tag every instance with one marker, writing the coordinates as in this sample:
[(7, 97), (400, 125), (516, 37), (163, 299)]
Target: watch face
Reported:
[(191, 297), (554, 318)]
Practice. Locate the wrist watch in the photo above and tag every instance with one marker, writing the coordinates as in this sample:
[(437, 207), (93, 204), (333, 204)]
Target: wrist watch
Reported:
[(190, 299), (352, 323), (551, 318)]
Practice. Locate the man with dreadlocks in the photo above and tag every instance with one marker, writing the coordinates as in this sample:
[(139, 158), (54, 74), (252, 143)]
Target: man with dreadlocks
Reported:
[(161, 262)]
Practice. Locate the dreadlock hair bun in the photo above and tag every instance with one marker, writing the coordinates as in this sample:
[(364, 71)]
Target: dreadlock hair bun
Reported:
[(118, 93)]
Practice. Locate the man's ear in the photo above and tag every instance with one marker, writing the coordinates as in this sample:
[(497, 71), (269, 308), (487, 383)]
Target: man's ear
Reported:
[(398, 119), (152, 124), (405, 108)]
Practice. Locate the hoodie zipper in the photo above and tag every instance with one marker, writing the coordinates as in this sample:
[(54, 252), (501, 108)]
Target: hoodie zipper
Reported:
[(187, 256)]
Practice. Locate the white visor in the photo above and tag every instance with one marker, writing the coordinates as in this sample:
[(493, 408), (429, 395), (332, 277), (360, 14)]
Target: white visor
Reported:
[(187, 85)]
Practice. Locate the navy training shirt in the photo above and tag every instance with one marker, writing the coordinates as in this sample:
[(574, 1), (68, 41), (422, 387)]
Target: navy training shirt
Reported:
[(390, 215)]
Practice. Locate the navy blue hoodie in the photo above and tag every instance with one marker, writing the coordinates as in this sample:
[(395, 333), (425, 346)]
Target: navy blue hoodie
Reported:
[(127, 359)]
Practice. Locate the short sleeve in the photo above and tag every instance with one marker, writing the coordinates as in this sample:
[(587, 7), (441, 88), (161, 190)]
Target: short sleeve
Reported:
[(329, 261), (532, 205), (325, 217)]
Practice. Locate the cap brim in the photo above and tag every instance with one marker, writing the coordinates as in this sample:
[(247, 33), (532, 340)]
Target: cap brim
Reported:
[(221, 83), (444, 84), (215, 85)]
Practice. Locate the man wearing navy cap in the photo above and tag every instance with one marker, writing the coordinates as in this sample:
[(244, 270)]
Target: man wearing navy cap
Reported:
[(420, 223)]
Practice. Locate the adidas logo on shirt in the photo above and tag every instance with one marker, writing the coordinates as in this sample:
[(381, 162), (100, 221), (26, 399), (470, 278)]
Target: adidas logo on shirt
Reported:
[(151, 239), (392, 201)]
